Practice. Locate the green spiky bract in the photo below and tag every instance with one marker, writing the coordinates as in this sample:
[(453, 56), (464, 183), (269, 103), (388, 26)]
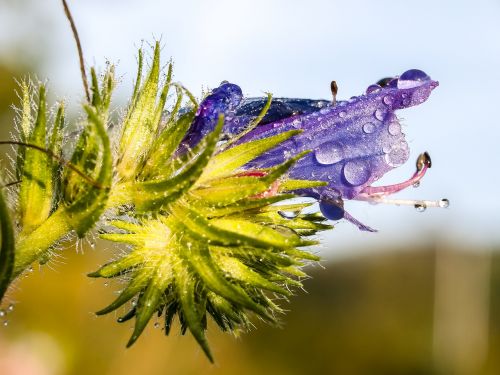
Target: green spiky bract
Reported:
[(202, 236)]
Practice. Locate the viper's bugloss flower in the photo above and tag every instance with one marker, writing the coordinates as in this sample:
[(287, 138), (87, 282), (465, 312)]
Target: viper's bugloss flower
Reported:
[(354, 142), (199, 195)]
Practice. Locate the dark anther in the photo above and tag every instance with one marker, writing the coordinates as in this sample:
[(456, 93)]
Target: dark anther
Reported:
[(335, 89), (423, 160), (384, 81)]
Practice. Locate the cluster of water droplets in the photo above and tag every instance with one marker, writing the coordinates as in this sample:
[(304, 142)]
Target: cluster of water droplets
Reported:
[(356, 172), (329, 153), (422, 206), (4, 312)]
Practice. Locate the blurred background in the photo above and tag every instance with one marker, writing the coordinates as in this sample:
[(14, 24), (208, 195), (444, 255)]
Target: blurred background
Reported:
[(421, 296)]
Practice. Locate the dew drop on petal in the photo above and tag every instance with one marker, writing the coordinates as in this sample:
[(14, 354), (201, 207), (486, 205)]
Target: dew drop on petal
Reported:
[(329, 153), (5, 323), (412, 78), (394, 128), (342, 114), (157, 325), (10, 308), (386, 149), (396, 157), (379, 115), (2, 313), (444, 203), (369, 127), (356, 172), (387, 100), (420, 207)]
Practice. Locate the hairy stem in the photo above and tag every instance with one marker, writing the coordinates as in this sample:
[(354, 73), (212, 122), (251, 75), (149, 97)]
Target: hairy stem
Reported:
[(32, 246)]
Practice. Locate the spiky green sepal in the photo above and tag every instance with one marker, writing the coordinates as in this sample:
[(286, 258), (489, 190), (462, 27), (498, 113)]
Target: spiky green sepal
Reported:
[(220, 247)]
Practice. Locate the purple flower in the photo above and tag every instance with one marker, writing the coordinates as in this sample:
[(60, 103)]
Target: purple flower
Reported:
[(354, 143)]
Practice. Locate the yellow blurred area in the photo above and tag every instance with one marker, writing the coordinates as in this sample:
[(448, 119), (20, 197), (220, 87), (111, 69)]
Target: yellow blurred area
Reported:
[(404, 311)]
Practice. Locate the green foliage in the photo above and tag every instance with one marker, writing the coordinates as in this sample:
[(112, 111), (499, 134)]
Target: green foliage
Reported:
[(202, 236)]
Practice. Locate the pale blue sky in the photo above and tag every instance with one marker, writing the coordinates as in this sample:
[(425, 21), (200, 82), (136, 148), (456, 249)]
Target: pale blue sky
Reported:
[(295, 48)]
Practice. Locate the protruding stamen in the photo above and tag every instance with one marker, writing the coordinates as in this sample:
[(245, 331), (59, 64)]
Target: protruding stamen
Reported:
[(335, 90), (423, 163), (419, 204)]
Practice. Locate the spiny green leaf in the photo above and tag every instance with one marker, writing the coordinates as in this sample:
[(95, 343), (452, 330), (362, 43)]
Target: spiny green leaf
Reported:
[(141, 122), (293, 185), (164, 146), (7, 249), (137, 283), (154, 195), (228, 161), (186, 286), (87, 209), (199, 259), (239, 207), (55, 147), (146, 306), (35, 192)]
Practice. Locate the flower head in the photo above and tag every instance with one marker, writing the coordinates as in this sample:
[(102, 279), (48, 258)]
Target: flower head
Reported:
[(354, 142)]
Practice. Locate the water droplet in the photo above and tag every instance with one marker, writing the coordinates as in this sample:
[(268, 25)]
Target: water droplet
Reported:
[(156, 325), (387, 100), (394, 128), (412, 78), (329, 153), (356, 172), (2, 313), (373, 89), (444, 203), (416, 184), (420, 207), (30, 269), (379, 114), (10, 308), (396, 156), (289, 214), (5, 323), (332, 210), (386, 148), (106, 284), (369, 127), (342, 114)]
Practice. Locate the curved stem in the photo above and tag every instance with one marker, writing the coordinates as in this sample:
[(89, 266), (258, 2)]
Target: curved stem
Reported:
[(32, 246), (79, 47)]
